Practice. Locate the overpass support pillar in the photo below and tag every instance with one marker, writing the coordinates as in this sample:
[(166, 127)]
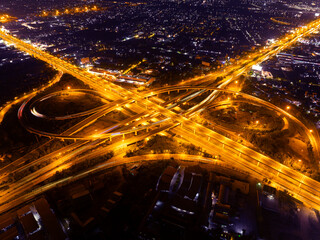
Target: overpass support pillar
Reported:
[(135, 133)]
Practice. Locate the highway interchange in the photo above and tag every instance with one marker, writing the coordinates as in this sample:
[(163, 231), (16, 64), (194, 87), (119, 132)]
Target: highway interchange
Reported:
[(147, 116)]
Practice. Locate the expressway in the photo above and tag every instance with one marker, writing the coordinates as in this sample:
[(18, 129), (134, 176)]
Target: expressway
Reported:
[(234, 153), (27, 183), (114, 162), (312, 135), (96, 113)]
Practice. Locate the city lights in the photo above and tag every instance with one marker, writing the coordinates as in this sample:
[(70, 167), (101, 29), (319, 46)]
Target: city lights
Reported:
[(151, 111)]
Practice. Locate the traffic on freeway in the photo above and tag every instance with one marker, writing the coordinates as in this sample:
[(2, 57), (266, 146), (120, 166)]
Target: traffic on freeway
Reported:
[(161, 117)]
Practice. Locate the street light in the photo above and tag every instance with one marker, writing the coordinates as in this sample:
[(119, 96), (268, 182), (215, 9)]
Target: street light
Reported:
[(310, 130), (288, 107)]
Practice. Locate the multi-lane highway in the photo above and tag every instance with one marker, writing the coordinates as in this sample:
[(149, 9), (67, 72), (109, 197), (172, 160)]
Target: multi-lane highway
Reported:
[(117, 161), (232, 152), (310, 131)]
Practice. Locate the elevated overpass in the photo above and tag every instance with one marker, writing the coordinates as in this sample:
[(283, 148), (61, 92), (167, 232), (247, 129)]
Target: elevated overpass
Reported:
[(301, 186)]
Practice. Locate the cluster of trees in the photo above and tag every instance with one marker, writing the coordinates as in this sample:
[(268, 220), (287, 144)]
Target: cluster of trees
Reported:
[(16, 176), (162, 144), (81, 166), (157, 144), (271, 144), (86, 164), (310, 151), (192, 149)]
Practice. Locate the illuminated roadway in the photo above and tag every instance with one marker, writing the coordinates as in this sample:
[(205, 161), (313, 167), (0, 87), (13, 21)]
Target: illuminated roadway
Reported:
[(117, 161), (234, 153), (312, 135)]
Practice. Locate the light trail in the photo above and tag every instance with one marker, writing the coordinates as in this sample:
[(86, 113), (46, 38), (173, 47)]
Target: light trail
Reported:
[(244, 158)]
